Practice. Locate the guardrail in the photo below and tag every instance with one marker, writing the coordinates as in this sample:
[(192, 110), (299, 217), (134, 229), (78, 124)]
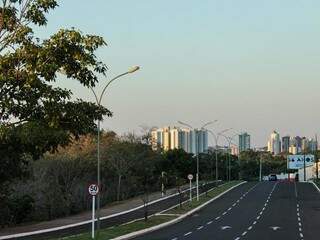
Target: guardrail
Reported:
[(153, 207)]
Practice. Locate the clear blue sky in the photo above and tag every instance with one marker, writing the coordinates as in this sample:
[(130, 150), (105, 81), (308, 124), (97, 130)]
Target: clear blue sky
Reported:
[(253, 65)]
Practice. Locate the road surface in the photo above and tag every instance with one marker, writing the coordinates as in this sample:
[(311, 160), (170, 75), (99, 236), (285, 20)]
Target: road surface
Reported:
[(253, 211)]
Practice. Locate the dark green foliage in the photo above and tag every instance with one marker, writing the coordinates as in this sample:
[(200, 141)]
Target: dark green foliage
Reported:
[(20, 208), (35, 116), (250, 164)]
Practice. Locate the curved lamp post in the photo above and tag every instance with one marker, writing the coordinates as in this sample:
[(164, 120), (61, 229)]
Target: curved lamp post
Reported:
[(98, 101), (216, 139), (197, 149), (229, 140)]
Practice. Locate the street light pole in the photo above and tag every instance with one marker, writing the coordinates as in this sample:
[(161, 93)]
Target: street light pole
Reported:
[(260, 170), (229, 140), (197, 148), (216, 139), (98, 101)]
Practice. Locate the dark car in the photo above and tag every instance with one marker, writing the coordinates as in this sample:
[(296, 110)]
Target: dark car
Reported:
[(273, 177)]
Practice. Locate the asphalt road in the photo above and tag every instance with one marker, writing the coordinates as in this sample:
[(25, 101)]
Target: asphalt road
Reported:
[(255, 211)]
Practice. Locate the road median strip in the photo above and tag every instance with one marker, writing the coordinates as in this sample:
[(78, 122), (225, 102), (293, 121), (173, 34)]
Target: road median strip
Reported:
[(160, 220)]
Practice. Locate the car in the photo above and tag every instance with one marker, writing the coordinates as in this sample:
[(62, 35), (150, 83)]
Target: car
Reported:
[(273, 177)]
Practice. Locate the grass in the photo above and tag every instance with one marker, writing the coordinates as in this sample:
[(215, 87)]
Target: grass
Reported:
[(187, 206), (120, 230), (117, 231)]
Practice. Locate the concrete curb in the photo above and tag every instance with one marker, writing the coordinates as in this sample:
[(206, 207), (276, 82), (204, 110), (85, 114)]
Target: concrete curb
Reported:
[(151, 229), (315, 185)]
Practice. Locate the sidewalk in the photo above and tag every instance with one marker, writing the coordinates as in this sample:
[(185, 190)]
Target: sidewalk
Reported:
[(108, 210)]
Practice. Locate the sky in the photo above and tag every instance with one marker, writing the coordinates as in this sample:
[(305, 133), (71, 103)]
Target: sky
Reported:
[(252, 65)]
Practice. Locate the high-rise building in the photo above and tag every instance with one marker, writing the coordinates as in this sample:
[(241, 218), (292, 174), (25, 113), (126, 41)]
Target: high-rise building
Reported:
[(192, 141), (313, 144), (234, 150), (274, 144), (285, 144), (304, 144), (244, 142)]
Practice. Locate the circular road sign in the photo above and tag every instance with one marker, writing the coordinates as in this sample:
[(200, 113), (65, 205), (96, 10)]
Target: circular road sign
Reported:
[(190, 176), (93, 189)]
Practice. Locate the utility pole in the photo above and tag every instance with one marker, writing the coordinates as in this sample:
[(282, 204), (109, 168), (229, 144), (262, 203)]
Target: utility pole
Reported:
[(304, 166), (316, 157), (260, 169)]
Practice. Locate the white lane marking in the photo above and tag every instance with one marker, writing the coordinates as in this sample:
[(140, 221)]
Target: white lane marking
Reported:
[(258, 217), (244, 233), (199, 228), (188, 233), (255, 222), (225, 227), (174, 239), (299, 219), (300, 229), (237, 238), (300, 224), (298, 214), (275, 228), (224, 213), (229, 208), (301, 235), (217, 218), (233, 205), (249, 228), (208, 223)]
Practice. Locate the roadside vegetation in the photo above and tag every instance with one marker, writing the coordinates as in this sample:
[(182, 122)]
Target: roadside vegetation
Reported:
[(155, 220)]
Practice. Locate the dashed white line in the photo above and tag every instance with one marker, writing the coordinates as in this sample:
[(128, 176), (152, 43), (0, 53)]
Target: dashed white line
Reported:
[(188, 233), (217, 218), (209, 222), (199, 228), (244, 233), (249, 228)]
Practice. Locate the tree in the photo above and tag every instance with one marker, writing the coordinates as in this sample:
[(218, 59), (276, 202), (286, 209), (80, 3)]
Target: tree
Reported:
[(35, 116), (121, 157)]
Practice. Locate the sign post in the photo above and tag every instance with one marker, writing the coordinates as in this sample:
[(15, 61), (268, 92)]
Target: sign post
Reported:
[(93, 191), (190, 177)]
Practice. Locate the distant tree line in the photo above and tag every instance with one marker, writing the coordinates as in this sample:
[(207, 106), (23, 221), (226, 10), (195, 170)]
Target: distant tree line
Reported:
[(56, 185)]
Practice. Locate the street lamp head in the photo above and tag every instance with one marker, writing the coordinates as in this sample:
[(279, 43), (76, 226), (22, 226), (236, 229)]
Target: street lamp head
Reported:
[(133, 69)]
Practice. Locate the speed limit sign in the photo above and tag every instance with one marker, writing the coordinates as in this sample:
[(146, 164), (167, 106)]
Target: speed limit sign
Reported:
[(190, 176), (93, 189)]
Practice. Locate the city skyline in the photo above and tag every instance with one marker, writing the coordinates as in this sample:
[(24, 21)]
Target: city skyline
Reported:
[(222, 65)]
